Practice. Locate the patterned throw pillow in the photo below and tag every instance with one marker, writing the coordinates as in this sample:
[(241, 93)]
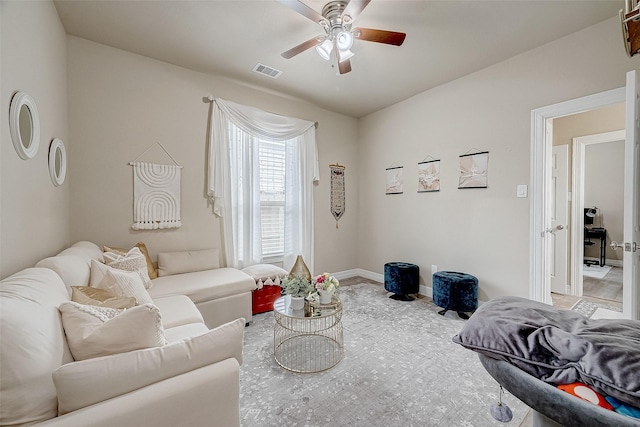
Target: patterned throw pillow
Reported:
[(100, 297), (125, 284), (151, 269), (131, 261), (99, 331)]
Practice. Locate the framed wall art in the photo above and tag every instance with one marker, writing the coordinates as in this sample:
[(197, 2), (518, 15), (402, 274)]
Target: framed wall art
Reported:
[(429, 176), (473, 170), (395, 180)]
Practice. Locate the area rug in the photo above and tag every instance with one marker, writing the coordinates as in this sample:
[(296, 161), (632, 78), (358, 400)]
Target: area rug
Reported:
[(596, 271), (400, 368), (588, 308)]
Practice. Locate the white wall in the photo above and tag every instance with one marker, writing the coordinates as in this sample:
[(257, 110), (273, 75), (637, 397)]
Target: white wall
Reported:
[(121, 103), (484, 232), (34, 215)]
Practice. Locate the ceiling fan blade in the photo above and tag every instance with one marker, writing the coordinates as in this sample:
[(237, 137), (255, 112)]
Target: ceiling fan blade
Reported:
[(354, 8), (303, 10), (379, 36), (302, 47), (344, 67)]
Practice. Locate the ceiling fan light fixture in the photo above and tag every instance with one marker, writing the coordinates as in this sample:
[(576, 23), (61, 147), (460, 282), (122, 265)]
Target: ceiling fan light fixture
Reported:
[(324, 49), (344, 40), (343, 55)]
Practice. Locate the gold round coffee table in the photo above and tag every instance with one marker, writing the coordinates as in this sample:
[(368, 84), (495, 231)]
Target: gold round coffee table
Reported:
[(308, 340)]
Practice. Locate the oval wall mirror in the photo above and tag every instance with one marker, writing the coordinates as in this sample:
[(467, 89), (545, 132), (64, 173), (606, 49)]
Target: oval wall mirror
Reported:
[(57, 162), (24, 125)]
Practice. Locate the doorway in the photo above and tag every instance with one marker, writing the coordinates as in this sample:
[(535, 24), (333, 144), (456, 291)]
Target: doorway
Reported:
[(598, 213), (540, 183), (541, 151)]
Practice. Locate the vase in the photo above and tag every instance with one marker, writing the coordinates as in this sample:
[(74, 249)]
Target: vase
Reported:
[(325, 297), (297, 303), (300, 269)]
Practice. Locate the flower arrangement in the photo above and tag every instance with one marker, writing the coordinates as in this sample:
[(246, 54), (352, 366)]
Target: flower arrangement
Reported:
[(326, 282), (296, 285)]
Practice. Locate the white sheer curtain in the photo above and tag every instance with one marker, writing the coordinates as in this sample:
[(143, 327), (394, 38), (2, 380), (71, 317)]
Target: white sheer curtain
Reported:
[(233, 180)]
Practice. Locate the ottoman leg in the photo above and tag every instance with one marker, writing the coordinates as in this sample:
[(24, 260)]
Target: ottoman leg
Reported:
[(463, 315), (442, 312), (401, 297)]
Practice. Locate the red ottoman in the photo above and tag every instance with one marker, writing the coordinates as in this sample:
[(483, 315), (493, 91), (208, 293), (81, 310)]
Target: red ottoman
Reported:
[(267, 277)]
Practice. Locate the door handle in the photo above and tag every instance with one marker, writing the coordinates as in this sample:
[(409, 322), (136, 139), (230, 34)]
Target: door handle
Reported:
[(629, 247), (554, 229)]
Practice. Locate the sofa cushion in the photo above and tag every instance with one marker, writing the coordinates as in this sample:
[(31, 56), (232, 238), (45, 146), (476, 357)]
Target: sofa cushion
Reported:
[(151, 269), (182, 332), (90, 248), (99, 331), (187, 261), (29, 301), (122, 373), (205, 285), (125, 284), (130, 261), (100, 297), (73, 264), (177, 310)]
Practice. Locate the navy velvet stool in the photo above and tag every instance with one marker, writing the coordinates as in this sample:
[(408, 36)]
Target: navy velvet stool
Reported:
[(455, 291), (402, 279)]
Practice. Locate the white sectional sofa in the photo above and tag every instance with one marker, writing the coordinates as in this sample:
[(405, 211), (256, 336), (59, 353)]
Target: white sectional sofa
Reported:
[(190, 380)]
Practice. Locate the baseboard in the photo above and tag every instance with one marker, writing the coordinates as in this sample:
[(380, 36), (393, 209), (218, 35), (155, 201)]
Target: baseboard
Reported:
[(359, 272)]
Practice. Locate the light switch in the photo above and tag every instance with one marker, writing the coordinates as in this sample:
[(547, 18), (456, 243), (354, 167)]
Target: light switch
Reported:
[(521, 190)]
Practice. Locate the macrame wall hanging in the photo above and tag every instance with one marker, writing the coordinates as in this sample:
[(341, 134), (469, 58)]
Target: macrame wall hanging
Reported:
[(337, 191), (156, 194)]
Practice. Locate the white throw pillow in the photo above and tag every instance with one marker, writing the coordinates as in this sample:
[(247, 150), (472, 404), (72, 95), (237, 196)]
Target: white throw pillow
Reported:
[(125, 284), (185, 262), (133, 260), (100, 331), (84, 383)]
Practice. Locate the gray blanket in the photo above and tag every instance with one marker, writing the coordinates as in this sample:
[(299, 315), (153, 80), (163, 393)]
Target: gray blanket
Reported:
[(558, 346)]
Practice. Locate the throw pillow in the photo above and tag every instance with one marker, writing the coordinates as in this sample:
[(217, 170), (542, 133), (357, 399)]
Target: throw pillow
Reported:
[(151, 268), (187, 261), (585, 392), (99, 331), (125, 284), (131, 261), (100, 297)]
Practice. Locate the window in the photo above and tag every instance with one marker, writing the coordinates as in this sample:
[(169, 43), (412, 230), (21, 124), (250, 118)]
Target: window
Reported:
[(272, 198), (261, 171)]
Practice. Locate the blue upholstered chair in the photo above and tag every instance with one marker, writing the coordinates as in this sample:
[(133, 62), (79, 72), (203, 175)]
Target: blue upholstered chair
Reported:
[(455, 291), (402, 279)]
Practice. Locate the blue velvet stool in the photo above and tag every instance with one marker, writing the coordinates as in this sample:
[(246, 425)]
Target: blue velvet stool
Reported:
[(455, 291), (402, 279)]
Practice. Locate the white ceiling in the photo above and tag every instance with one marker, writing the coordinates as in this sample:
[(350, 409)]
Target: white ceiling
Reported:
[(446, 39)]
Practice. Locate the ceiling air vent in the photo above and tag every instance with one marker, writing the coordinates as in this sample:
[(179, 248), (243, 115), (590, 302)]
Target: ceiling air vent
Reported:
[(267, 71)]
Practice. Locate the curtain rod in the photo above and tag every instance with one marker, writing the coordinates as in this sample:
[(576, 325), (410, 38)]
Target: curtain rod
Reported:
[(210, 99)]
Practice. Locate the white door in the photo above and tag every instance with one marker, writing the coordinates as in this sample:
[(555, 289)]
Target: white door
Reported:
[(631, 226), (559, 203)]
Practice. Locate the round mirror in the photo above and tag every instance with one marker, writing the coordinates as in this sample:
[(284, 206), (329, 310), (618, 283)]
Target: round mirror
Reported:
[(24, 125), (57, 162)]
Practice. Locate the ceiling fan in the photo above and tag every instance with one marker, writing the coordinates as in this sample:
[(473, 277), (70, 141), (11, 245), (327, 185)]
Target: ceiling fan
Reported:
[(336, 20)]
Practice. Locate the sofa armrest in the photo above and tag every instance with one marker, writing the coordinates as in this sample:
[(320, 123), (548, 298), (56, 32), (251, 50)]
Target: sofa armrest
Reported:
[(208, 396), (87, 382)]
